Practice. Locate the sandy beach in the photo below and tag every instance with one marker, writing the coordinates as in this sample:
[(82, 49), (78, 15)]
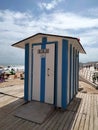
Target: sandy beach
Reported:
[(87, 88), (11, 81)]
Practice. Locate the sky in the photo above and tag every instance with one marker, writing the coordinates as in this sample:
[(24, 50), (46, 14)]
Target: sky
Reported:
[(20, 19)]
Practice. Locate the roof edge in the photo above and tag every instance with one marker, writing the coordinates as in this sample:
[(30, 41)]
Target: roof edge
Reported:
[(45, 34)]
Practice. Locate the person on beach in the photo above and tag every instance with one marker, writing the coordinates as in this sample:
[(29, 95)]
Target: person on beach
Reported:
[(94, 78), (12, 71)]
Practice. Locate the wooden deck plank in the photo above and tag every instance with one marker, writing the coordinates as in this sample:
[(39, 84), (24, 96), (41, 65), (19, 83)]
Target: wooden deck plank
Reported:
[(86, 104), (82, 123), (28, 126), (95, 113), (96, 123), (64, 121), (15, 124), (97, 105), (60, 120), (81, 114), (91, 127), (57, 119), (83, 103), (87, 121), (52, 121), (77, 123), (13, 105), (69, 121), (44, 125), (7, 121), (73, 122)]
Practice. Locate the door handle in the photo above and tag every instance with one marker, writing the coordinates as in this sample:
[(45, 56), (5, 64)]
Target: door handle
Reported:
[(48, 71)]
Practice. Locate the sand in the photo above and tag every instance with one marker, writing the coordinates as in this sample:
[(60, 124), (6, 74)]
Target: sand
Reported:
[(87, 88), (12, 81), (84, 87)]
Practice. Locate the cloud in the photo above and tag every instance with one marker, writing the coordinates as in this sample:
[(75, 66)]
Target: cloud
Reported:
[(49, 6), (12, 25), (23, 24), (16, 26)]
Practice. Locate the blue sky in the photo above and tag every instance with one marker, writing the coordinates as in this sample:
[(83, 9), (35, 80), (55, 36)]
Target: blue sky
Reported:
[(22, 18)]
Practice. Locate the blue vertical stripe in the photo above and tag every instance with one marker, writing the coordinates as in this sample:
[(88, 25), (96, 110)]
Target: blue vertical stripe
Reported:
[(43, 67), (77, 70), (64, 72), (70, 82), (42, 91), (26, 72)]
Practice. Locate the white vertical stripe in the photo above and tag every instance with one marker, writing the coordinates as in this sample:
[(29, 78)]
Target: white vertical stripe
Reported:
[(49, 74), (29, 83), (74, 69), (68, 87), (36, 73), (59, 74)]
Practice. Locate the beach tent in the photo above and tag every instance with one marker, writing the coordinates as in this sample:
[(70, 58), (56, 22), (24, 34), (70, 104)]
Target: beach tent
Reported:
[(51, 68)]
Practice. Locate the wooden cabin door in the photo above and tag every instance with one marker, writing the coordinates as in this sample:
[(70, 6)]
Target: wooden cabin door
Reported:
[(43, 73)]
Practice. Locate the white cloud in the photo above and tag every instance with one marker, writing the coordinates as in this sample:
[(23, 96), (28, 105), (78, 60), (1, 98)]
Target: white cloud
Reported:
[(16, 25), (70, 21), (25, 23), (50, 5)]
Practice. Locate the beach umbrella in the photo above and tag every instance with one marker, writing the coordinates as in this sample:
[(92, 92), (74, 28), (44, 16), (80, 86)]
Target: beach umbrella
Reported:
[(7, 72)]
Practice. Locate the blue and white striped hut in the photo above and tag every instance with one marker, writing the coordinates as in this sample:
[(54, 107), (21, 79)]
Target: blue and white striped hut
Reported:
[(51, 68)]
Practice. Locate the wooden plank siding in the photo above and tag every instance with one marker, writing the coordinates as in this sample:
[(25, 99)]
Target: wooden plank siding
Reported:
[(81, 113)]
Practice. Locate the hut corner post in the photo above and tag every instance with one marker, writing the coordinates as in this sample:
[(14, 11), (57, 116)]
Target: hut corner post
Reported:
[(26, 84), (64, 72)]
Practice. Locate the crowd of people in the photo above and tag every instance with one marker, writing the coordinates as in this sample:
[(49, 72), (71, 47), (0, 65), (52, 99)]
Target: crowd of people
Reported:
[(5, 73), (95, 77)]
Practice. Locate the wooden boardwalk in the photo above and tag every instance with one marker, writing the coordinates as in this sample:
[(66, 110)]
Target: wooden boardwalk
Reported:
[(81, 114)]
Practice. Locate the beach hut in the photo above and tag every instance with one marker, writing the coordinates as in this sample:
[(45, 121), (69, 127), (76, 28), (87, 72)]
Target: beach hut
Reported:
[(51, 68)]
